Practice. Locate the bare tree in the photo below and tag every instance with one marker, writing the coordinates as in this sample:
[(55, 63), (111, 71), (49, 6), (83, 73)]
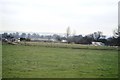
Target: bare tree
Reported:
[(29, 35), (23, 35), (97, 35), (68, 32), (74, 32)]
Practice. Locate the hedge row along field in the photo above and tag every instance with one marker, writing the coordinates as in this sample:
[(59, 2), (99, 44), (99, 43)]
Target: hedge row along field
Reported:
[(20, 61), (65, 45)]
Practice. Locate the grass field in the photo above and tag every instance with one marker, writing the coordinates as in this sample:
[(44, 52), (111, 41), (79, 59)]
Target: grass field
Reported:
[(21, 61)]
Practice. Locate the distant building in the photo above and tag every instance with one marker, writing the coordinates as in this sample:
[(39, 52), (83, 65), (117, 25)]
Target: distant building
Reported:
[(64, 41), (17, 40), (98, 44), (10, 40)]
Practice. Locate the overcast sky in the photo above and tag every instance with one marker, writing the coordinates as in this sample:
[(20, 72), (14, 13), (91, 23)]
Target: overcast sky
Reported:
[(83, 16)]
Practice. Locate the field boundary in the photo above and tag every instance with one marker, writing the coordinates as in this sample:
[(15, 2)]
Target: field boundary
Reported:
[(65, 45)]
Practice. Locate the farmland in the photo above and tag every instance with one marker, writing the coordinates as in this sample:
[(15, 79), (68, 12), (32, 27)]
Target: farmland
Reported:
[(64, 61)]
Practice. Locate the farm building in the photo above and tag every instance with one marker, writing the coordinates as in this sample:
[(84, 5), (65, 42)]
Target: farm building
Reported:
[(98, 44), (64, 41), (11, 40)]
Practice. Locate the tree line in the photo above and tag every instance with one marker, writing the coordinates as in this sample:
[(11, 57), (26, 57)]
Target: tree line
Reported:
[(70, 38)]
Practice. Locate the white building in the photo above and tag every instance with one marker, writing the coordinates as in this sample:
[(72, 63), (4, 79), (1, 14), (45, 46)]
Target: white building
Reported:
[(64, 41), (98, 44)]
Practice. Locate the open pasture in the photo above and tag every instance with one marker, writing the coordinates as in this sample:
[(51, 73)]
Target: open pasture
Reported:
[(32, 61)]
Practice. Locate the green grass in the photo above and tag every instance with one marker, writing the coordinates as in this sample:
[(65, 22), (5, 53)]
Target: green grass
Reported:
[(21, 61)]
